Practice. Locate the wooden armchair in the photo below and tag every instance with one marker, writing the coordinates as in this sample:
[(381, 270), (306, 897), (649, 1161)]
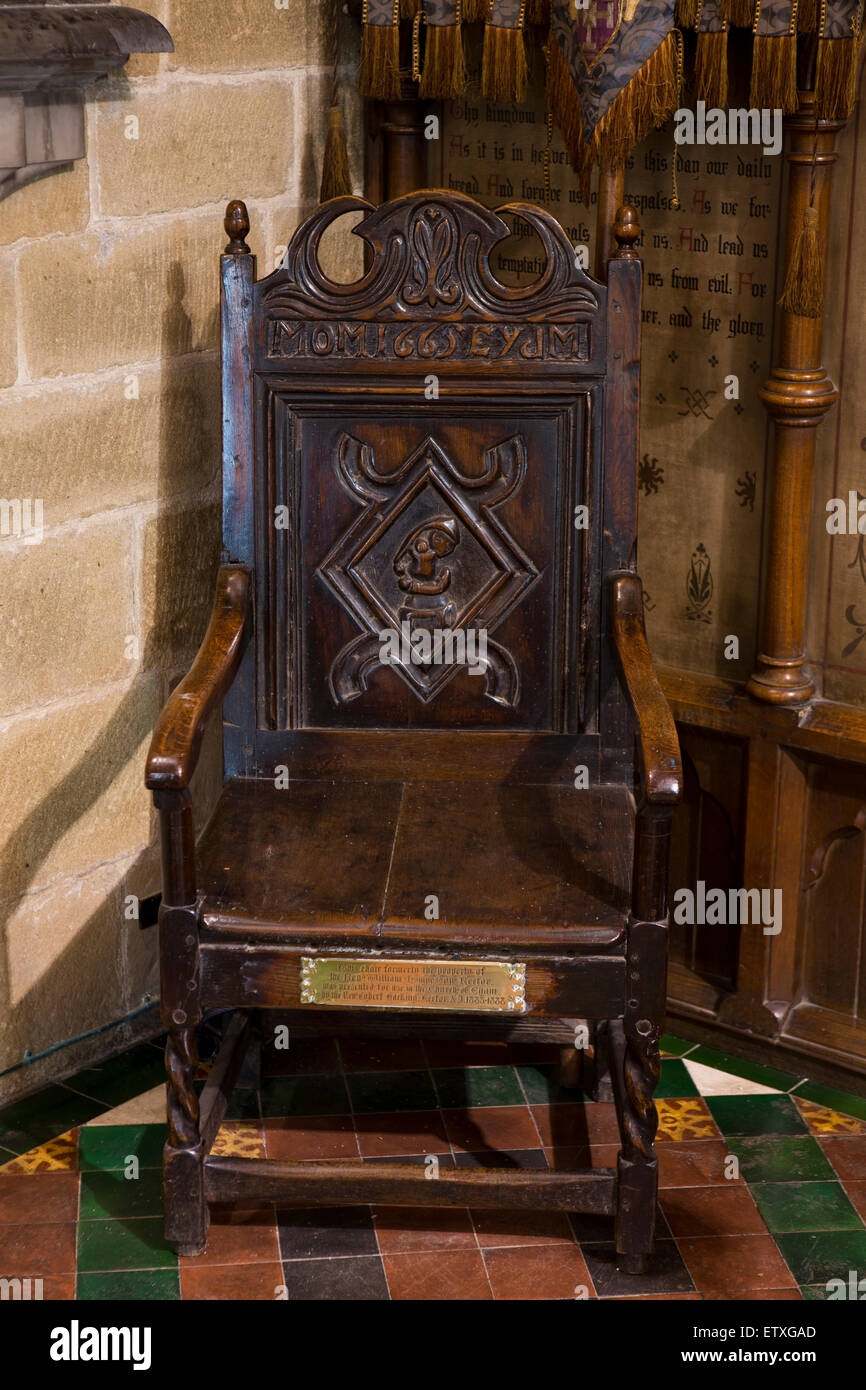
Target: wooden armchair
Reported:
[(437, 697)]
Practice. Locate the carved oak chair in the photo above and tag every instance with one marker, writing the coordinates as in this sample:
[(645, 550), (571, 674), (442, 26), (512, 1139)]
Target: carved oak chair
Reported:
[(437, 698)]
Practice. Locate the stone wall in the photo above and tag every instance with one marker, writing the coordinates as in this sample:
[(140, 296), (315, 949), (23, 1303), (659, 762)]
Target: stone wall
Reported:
[(110, 416)]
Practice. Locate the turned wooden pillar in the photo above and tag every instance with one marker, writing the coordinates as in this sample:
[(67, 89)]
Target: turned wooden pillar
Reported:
[(797, 396)]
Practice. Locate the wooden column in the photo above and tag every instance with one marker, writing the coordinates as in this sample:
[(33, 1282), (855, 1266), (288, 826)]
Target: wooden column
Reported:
[(797, 396), (611, 184)]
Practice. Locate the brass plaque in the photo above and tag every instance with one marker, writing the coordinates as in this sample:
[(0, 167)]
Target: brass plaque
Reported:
[(471, 986)]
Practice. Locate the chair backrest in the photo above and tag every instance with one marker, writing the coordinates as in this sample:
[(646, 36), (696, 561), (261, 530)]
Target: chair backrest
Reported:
[(430, 473)]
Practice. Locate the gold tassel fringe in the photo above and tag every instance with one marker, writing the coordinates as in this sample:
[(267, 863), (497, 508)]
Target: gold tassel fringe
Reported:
[(538, 12), (503, 70), (444, 72), (336, 179), (649, 99), (409, 8), (711, 68), (808, 16), (379, 74), (804, 279), (687, 13), (475, 10), (835, 78), (774, 73), (739, 12)]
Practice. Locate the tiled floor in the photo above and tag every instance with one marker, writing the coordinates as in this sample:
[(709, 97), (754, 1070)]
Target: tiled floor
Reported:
[(762, 1175)]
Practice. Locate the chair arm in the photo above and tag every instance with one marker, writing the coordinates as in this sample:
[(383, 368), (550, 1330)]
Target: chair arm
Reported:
[(660, 763), (176, 741)]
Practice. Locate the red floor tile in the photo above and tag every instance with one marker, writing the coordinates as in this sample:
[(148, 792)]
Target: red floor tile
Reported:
[(492, 1127), (37, 1250), (238, 1237), (730, 1263), (693, 1163), (711, 1211), (39, 1197), (538, 1272), (401, 1230), (456, 1275), (576, 1124), (231, 1283), (507, 1228), (857, 1192), (756, 1296), (408, 1132), (311, 1136), (847, 1155)]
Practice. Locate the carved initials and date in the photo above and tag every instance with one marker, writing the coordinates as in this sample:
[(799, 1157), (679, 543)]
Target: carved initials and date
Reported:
[(494, 342)]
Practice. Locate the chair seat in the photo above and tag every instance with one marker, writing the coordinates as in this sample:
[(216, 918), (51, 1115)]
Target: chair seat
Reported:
[(351, 862)]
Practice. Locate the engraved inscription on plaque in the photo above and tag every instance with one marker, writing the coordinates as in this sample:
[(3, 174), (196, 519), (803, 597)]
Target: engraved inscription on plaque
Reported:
[(471, 986)]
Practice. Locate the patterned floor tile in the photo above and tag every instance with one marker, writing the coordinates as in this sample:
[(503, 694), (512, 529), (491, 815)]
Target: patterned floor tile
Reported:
[(58, 1155), (821, 1120), (833, 1099), (240, 1139), (685, 1119)]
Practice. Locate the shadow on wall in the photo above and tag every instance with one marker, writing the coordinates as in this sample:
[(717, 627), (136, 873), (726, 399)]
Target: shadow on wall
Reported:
[(185, 562)]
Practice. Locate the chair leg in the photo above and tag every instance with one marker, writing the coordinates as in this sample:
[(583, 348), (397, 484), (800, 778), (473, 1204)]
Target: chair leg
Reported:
[(602, 1083), (186, 1212), (634, 1044)]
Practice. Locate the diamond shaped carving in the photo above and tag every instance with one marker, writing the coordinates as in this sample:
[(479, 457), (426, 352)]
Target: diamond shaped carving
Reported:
[(427, 554)]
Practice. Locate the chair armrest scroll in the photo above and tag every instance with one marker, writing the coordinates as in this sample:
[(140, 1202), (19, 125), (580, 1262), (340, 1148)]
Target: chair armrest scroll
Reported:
[(659, 760), (176, 741)]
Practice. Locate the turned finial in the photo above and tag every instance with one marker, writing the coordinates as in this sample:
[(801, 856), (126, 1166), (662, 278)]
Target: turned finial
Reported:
[(237, 224), (626, 230)]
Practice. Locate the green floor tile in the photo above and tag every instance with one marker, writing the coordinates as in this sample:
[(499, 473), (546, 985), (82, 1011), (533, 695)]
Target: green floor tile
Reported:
[(130, 1285), (756, 1115), (834, 1100), (541, 1086), (814, 1257), (674, 1081), (677, 1047), (283, 1096), (457, 1087), (780, 1158), (375, 1091), (105, 1147), (52, 1111), (138, 1243), (805, 1206), (738, 1066), (114, 1194), (121, 1078)]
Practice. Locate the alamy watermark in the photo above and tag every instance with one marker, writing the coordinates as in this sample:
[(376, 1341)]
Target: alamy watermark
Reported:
[(735, 907), (737, 126), (415, 645), (22, 518)]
